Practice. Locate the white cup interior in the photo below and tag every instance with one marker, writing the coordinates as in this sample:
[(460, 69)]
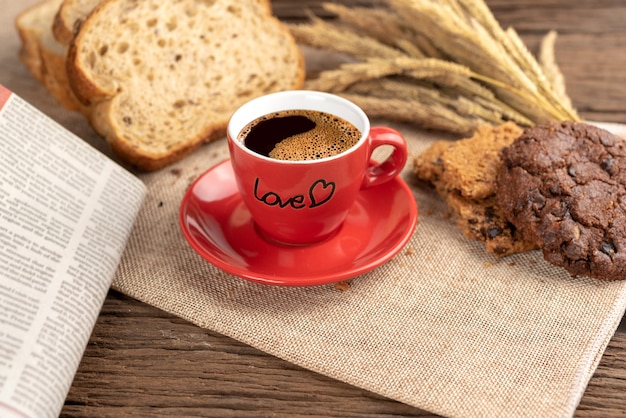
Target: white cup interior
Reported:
[(297, 100)]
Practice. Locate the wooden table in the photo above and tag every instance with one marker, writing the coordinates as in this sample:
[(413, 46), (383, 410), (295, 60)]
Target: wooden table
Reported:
[(141, 361)]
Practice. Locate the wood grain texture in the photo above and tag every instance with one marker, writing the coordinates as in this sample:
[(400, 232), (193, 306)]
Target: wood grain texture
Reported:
[(141, 361)]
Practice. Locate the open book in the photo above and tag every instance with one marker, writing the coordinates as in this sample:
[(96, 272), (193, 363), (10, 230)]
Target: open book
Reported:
[(66, 211)]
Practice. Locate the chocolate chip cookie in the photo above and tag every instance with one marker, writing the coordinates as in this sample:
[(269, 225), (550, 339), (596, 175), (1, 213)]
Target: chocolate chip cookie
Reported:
[(564, 187)]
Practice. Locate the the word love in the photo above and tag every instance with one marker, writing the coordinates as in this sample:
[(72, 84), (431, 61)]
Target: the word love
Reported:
[(320, 192)]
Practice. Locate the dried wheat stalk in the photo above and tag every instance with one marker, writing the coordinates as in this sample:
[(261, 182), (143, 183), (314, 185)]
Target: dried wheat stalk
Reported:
[(435, 116), (428, 96), (323, 35), (385, 27), (339, 79), (448, 63), (550, 67)]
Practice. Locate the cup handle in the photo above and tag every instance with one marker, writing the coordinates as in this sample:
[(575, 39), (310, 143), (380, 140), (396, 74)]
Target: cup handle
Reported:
[(382, 172)]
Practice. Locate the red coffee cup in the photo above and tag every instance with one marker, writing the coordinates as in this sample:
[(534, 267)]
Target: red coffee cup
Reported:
[(304, 202)]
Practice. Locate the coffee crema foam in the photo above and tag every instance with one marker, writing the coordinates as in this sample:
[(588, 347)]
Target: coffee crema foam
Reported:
[(323, 135)]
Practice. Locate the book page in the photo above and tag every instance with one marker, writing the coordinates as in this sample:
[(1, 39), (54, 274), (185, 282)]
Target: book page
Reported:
[(66, 211)]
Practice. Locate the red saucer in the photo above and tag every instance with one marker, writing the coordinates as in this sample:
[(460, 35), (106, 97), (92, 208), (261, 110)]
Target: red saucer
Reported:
[(218, 226)]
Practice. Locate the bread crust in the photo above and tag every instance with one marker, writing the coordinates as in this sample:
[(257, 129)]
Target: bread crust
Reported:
[(59, 28), (69, 17)]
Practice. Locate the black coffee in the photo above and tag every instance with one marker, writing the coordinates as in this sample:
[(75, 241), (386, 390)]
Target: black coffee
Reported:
[(299, 135)]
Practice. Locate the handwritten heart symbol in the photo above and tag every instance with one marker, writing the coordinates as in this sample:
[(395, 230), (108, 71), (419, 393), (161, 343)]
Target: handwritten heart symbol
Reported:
[(321, 192)]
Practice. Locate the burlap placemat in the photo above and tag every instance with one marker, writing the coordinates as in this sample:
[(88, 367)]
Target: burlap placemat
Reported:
[(444, 327)]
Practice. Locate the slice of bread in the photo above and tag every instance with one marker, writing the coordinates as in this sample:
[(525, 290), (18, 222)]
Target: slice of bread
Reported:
[(163, 77), (42, 54), (72, 13), (30, 25)]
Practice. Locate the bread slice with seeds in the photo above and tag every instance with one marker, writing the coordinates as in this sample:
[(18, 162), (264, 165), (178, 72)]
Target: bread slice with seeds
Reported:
[(164, 77)]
